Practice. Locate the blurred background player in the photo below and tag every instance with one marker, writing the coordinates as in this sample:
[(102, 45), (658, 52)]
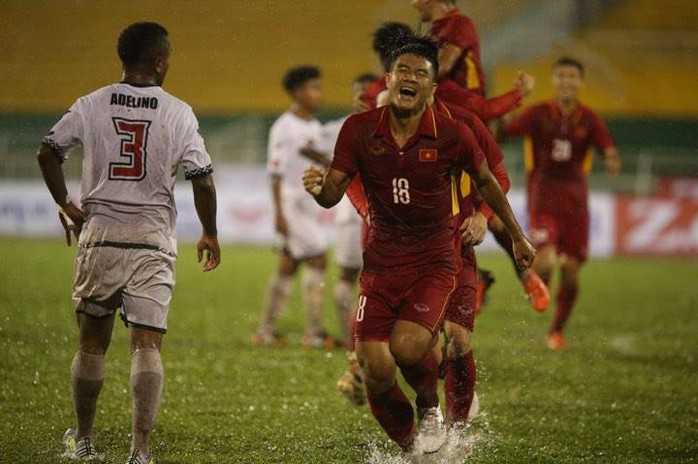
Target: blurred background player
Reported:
[(462, 83), (459, 44), (348, 223), (405, 154), (560, 136), (135, 136), (300, 236)]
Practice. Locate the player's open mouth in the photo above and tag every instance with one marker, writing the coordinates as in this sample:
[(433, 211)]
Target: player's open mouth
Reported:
[(408, 92)]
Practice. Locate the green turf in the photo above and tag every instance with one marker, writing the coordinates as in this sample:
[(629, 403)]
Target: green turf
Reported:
[(625, 391)]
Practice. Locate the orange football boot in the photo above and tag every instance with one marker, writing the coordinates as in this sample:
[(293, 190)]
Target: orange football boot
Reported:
[(556, 341), (485, 279), (536, 290)]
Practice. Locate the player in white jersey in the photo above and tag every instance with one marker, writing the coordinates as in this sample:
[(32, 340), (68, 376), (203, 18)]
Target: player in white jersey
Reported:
[(348, 223), (135, 136), (300, 235)]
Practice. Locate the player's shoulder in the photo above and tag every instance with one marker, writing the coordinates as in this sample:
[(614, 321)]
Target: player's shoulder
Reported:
[(367, 119)]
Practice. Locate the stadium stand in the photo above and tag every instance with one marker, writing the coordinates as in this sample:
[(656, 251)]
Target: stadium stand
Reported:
[(641, 59), (229, 56)]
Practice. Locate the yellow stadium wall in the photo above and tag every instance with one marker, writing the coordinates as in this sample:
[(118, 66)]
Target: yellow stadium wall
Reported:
[(228, 55)]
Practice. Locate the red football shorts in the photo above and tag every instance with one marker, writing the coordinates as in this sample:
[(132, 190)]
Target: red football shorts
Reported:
[(461, 307), (567, 231), (421, 298)]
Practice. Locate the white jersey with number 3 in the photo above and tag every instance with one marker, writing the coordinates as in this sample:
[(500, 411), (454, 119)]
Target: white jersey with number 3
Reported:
[(134, 139)]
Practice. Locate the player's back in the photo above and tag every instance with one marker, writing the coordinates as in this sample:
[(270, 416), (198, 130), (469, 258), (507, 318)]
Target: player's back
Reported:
[(459, 30), (134, 139)]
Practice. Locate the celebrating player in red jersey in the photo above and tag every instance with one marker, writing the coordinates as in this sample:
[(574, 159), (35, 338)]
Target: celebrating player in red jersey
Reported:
[(559, 145), (390, 36), (459, 45), (462, 84), (406, 153)]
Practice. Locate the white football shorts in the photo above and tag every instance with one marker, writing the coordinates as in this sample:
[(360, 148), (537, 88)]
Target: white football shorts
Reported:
[(139, 281), (306, 236), (348, 224)]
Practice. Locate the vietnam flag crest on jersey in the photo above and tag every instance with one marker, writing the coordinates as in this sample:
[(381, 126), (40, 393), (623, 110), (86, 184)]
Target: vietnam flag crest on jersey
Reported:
[(428, 154)]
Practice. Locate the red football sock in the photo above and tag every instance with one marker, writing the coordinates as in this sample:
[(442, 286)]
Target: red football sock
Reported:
[(566, 296), (459, 386), (394, 413), (423, 377)]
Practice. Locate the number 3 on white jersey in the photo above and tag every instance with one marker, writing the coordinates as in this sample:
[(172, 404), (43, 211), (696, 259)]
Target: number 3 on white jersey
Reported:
[(361, 309), (401, 191), (562, 150), (134, 138)]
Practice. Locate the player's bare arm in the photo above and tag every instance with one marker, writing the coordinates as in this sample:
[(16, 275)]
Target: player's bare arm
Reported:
[(72, 218), (612, 161), (328, 189), (449, 55), (280, 223), (317, 156), (494, 196), (205, 203)]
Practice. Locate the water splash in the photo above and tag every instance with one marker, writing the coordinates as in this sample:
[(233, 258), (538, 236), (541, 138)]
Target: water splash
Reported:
[(464, 442)]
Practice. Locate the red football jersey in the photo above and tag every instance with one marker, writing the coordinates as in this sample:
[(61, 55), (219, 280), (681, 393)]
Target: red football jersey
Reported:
[(457, 29), (410, 189), (558, 151)]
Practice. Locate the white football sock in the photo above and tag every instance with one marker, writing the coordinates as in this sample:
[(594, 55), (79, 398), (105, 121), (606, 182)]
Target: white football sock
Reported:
[(344, 301), (87, 375), (146, 389), (313, 296), (277, 293)]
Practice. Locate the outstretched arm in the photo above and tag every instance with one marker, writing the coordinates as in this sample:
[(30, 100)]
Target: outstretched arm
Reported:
[(205, 203), (326, 189)]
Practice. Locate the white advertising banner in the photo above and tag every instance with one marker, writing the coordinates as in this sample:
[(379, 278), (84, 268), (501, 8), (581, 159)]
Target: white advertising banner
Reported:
[(244, 211)]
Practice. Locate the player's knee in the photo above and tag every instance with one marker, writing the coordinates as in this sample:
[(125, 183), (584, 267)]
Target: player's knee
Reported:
[(406, 352), (545, 260), (378, 375)]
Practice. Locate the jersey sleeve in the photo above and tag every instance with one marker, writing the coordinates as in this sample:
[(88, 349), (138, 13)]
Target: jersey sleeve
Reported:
[(600, 133), (278, 150), (460, 32), (502, 176), (67, 133), (493, 154), (521, 125), (470, 155), (346, 149), (195, 160)]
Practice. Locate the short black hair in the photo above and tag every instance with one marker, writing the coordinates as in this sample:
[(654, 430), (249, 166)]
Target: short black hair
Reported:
[(299, 75), (141, 43), (390, 36), (365, 78), (567, 61), (422, 46)]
